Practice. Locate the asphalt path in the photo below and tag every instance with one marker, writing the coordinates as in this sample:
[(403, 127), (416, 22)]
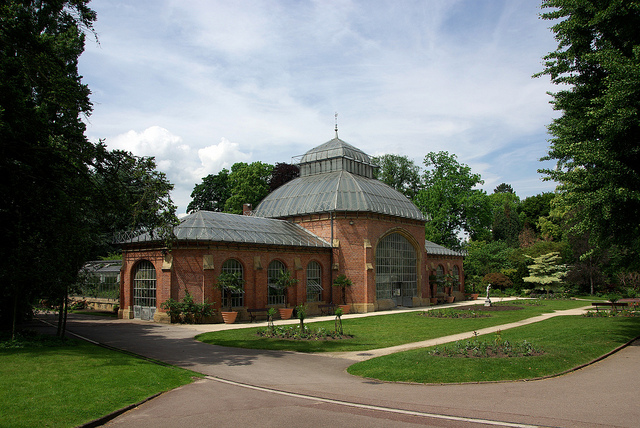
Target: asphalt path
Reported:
[(269, 388)]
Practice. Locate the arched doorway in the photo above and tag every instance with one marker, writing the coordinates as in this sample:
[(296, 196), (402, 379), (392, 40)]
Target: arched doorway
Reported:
[(396, 270), (144, 290)]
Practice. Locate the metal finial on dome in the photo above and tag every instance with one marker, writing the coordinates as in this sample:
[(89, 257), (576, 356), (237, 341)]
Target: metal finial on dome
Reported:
[(336, 124)]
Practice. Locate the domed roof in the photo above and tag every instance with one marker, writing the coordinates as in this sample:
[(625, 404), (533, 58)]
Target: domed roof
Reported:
[(336, 176), (335, 148), (336, 191)]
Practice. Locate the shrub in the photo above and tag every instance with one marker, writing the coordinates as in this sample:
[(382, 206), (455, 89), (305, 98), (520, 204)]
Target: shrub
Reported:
[(498, 280), (187, 311)]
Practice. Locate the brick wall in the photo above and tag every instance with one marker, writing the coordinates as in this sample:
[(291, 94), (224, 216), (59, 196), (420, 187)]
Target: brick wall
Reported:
[(355, 238), (187, 271)]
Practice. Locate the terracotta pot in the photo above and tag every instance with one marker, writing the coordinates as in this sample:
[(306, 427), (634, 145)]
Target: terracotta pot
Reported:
[(285, 313), (450, 299), (433, 300), (474, 296), (345, 309), (229, 317)]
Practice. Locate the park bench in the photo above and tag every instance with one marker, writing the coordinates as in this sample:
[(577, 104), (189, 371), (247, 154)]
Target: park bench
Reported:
[(327, 309), (253, 313), (609, 305)]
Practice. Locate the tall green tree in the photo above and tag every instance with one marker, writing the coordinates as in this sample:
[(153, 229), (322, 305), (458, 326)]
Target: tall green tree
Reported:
[(130, 194), (595, 140), (399, 172), (44, 155), (61, 196), (534, 207), (450, 201), (249, 184), (506, 224), (211, 194)]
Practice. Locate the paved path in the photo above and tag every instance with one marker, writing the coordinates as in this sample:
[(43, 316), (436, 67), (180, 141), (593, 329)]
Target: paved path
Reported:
[(362, 356), (268, 388)]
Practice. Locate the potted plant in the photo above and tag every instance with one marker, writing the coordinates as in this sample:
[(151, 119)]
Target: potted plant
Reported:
[(449, 282), (284, 281), (343, 282), (229, 283), (433, 287)]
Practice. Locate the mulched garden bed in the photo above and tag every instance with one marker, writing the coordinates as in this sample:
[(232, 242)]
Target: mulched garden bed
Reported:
[(493, 308), (293, 333)]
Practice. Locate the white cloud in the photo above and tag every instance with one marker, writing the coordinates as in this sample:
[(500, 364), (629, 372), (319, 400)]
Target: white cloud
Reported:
[(216, 157), (185, 166), (154, 141), (264, 78)]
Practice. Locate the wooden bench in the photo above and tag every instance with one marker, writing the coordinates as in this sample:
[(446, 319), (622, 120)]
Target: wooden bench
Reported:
[(253, 313), (609, 305), (327, 309)]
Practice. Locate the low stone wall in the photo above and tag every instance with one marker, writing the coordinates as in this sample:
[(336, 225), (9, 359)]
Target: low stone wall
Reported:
[(97, 303)]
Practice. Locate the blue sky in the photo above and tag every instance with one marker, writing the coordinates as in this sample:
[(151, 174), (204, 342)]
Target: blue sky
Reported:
[(201, 85)]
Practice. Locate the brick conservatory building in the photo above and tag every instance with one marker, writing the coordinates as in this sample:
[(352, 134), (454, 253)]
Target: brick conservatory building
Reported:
[(334, 219)]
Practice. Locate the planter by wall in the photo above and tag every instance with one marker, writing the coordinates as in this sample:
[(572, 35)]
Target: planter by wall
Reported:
[(229, 317), (433, 300), (474, 296), (450, 299), (285, 313)]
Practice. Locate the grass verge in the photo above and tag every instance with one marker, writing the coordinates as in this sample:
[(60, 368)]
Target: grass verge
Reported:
[(567, 342), (65, 384), (381, 331)]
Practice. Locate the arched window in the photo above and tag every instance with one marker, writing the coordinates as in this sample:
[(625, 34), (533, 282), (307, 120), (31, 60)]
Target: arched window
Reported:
[(314, 282), (275, 293), (237, 298), (456, 277), (144, 290), (440, 278), (396, 270)]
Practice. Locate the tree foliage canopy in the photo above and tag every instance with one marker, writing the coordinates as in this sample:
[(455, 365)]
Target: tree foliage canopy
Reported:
[(245, 184), (595, 141), (399, 172), (249, 184), (282, 173), (449, 199), (61, 196), (211, 194), (547, 271)]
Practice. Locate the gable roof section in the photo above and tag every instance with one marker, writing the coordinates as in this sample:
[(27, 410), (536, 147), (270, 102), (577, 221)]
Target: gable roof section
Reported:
[(438, 250), (211, 226)]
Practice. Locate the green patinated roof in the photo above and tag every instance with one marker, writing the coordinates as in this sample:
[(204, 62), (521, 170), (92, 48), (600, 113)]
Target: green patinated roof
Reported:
[(222, 227), (438, 250), (336, 176), (336, 191)]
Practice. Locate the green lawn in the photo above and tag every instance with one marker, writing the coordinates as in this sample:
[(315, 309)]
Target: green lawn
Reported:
[(67, 385), (567, 341), (382, 331)]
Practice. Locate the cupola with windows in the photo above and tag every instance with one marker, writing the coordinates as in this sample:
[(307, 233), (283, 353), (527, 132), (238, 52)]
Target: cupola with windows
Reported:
[(336, 176)]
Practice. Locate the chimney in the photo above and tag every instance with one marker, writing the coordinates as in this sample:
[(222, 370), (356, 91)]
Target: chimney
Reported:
[(246, 209)]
